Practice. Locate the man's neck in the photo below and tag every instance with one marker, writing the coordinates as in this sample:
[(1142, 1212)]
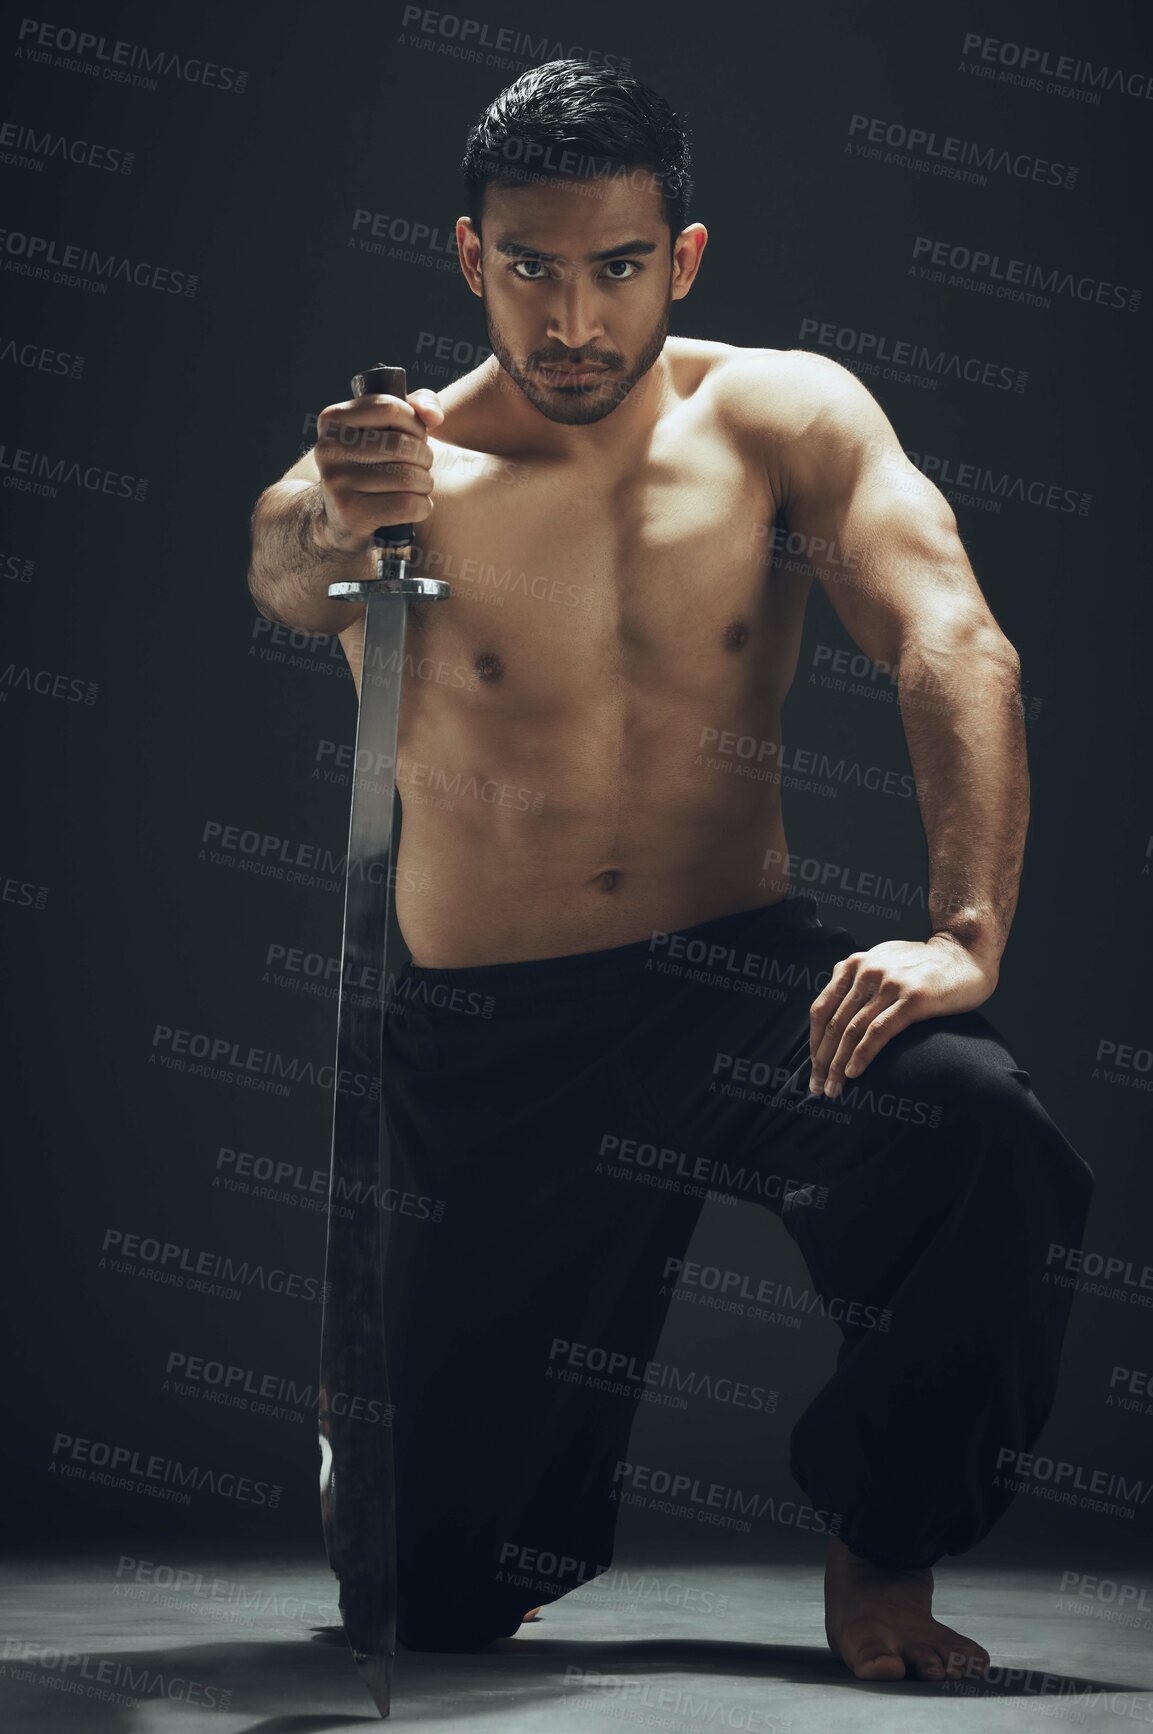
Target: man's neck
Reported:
[(525, 429)]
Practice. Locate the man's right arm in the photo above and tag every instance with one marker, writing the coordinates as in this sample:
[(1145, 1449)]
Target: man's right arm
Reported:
[(371, 465), (293, 561)]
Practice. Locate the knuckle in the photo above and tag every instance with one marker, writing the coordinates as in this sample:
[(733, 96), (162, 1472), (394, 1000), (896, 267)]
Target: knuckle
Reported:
[(411, 479)]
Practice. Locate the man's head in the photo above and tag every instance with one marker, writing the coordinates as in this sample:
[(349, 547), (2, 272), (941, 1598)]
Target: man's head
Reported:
[(578, 185)]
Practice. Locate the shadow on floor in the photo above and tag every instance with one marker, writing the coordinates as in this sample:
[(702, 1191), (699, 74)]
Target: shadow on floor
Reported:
[(294, 1687), (702, 1658)]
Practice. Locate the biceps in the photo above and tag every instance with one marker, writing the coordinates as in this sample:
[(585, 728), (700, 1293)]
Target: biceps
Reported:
[(889, 557)]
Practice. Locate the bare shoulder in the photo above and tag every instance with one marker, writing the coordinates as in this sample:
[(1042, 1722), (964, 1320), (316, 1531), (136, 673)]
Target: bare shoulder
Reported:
[(791, 392)]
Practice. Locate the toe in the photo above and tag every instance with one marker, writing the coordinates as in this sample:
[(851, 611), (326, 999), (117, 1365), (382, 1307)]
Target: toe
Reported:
[(964, 1659), (925, 1662), (873, 1655), (885, 1665)]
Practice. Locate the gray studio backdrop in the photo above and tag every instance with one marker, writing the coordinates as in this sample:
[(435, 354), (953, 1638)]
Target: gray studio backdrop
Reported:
[(247, 207)]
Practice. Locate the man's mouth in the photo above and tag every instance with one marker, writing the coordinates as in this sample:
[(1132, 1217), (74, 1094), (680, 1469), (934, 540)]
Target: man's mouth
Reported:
[(565, 373)]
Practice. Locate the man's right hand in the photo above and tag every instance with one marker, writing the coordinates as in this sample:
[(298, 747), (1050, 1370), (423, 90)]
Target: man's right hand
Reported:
[(375, 465)]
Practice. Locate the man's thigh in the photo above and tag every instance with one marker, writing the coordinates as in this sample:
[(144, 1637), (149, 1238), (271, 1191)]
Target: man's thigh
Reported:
[(721, 1075), (717, 1060), (526, 1292)]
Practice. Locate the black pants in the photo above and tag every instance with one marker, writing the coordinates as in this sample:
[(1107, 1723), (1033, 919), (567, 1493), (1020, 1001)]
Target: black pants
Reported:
[(557, 1124)]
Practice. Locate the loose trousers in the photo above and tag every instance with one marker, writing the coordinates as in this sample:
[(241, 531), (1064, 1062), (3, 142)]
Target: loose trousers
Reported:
[(556, 1126)]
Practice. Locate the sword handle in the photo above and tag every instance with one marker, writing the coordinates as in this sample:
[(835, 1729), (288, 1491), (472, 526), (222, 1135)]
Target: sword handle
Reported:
[(391, 381)]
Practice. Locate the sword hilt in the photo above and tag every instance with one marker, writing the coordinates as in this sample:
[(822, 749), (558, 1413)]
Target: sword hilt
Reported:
[(395, 543), (392, 382)]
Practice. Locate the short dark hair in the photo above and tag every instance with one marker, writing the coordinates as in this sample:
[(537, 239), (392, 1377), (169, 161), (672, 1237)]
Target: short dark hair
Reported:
[(568, 118)]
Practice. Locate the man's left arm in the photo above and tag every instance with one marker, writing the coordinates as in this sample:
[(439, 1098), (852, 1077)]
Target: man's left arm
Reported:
[(883, 541)]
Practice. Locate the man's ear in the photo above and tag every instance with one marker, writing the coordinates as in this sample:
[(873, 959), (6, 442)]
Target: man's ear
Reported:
[(687, 250), (468, 251)]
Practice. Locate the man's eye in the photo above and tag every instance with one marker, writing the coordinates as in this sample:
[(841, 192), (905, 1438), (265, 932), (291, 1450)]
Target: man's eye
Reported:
[(532, 270)]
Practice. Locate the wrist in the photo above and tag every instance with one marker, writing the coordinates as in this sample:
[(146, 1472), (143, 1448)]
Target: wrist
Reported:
[(981, 950), (313, 526), (318, 536)]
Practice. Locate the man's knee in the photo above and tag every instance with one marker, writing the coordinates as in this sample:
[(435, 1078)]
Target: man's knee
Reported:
[(436, 1623), (955, 1079)]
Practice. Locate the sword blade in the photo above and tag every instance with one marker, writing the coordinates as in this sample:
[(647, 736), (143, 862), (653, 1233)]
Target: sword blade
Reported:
[(357, 1486)]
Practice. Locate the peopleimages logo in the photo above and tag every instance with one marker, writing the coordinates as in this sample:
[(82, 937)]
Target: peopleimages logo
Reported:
[(1069, 75), (32, 472), (625, 1375), (184, 1266), (118, 61), (1018, 279), (682, 1495), (908, 352), (35, 148), (956, 158), (31, 255), (83, 1674), (134, 1470), (39, 358), (502, 39)]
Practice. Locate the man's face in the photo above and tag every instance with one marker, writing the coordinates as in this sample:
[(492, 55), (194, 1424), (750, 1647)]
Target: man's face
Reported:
[(576, 279)]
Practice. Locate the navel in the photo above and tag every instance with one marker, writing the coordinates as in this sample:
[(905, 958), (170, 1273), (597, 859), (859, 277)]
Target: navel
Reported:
[(736, 635), (489, 666), (607, 881)]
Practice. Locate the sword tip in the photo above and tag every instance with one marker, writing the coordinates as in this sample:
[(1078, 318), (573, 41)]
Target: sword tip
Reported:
[(376, 1675)]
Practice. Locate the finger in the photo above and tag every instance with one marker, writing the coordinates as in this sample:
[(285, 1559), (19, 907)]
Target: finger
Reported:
[(824, 1033), (383, 477), (427, 406), (850, 1007), (852, 1035), (829, 998), (861, 992), (346, 444), (374, 421), (906, 1010)]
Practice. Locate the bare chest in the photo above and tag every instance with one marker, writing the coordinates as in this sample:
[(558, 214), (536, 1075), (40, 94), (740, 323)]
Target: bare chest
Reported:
[(562, 580)]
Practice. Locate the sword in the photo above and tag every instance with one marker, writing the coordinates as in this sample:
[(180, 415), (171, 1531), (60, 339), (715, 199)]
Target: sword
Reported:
[(357, 1487)]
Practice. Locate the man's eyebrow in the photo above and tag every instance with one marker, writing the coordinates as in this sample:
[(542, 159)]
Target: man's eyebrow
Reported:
[(517, 250)]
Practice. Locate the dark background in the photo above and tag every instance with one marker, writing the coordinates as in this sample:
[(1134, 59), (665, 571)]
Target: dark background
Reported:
[(115, 920)]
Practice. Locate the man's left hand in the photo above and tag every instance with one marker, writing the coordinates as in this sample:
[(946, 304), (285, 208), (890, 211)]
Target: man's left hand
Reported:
[(875, 993)]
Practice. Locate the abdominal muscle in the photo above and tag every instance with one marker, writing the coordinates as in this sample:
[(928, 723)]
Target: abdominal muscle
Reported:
[(579, 846)]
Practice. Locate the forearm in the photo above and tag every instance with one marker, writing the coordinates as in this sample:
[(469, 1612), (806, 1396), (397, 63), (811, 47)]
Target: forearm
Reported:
[(291, 569), (962, 714)]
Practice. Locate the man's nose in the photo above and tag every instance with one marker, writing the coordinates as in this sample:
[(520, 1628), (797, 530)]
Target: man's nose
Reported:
[(573, 316)]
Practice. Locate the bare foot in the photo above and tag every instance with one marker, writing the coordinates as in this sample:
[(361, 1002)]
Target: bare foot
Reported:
[(881, 1624), (533, 1614)]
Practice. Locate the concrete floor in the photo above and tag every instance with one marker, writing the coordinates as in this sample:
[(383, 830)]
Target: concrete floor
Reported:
[(92, 1643)]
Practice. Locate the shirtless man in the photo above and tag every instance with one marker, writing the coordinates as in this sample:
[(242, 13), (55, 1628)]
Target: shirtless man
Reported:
[(603, 499)]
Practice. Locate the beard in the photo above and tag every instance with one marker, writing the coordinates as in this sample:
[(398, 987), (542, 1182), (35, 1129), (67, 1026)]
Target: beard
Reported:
[(578, 405)]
